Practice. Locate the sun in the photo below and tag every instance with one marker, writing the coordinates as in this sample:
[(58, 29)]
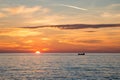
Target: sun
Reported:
[(37, 52)]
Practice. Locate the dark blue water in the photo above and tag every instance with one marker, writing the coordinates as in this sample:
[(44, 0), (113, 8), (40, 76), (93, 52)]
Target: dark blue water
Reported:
[(59, 67)]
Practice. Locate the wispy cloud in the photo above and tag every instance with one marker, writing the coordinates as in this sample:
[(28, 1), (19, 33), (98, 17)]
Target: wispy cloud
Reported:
[(90, 41), (24, 10), (76, 26), (75, 7), (17, 32), (2, 15), (113, 6), (110, 15)]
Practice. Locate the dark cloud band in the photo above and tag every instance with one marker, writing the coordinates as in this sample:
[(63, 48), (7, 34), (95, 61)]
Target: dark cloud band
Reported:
[(76, 26)]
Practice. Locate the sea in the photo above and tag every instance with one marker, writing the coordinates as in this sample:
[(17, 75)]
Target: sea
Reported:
[(59, 66)]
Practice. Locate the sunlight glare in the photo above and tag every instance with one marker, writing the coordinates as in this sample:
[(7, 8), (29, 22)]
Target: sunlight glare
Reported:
[(37, 52)]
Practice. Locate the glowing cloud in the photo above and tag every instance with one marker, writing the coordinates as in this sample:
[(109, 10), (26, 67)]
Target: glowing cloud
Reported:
[(75, 7), (2, 15), (24, 10)]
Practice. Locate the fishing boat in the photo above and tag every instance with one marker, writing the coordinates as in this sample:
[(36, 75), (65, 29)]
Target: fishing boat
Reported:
[(81, 53)]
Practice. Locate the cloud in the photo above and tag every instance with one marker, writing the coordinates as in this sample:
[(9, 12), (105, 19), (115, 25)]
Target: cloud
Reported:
[(76, 26), (110, 11), (17, 32), (90, 41), (74, 7), (24, 15), (77, 41), (110, 15), (90, 31), (24, 10), (113, 6), (38, 15), (2, 15), (46, 19)]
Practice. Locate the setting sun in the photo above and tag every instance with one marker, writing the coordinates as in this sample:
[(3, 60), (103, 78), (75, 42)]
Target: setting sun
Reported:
[(37, 52)]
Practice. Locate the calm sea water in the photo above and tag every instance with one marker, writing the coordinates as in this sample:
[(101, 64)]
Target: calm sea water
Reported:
[(59, 67)]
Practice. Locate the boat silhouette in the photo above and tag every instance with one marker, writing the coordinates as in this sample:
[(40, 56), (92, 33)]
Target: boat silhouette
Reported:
[(81, 53)]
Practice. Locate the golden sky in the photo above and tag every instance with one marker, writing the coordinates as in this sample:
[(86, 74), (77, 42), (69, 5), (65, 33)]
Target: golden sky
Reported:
[(55, 39), (37, 25)]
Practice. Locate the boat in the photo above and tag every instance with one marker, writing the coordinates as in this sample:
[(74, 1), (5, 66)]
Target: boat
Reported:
[(81, 53)]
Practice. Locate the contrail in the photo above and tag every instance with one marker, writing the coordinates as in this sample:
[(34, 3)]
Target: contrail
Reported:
[(75, 7)]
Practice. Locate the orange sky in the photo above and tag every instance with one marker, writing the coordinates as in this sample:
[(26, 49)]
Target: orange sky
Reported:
[(15, 15), (50, 39)]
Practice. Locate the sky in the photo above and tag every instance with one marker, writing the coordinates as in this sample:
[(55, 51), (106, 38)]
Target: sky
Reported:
[(15, 15)]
